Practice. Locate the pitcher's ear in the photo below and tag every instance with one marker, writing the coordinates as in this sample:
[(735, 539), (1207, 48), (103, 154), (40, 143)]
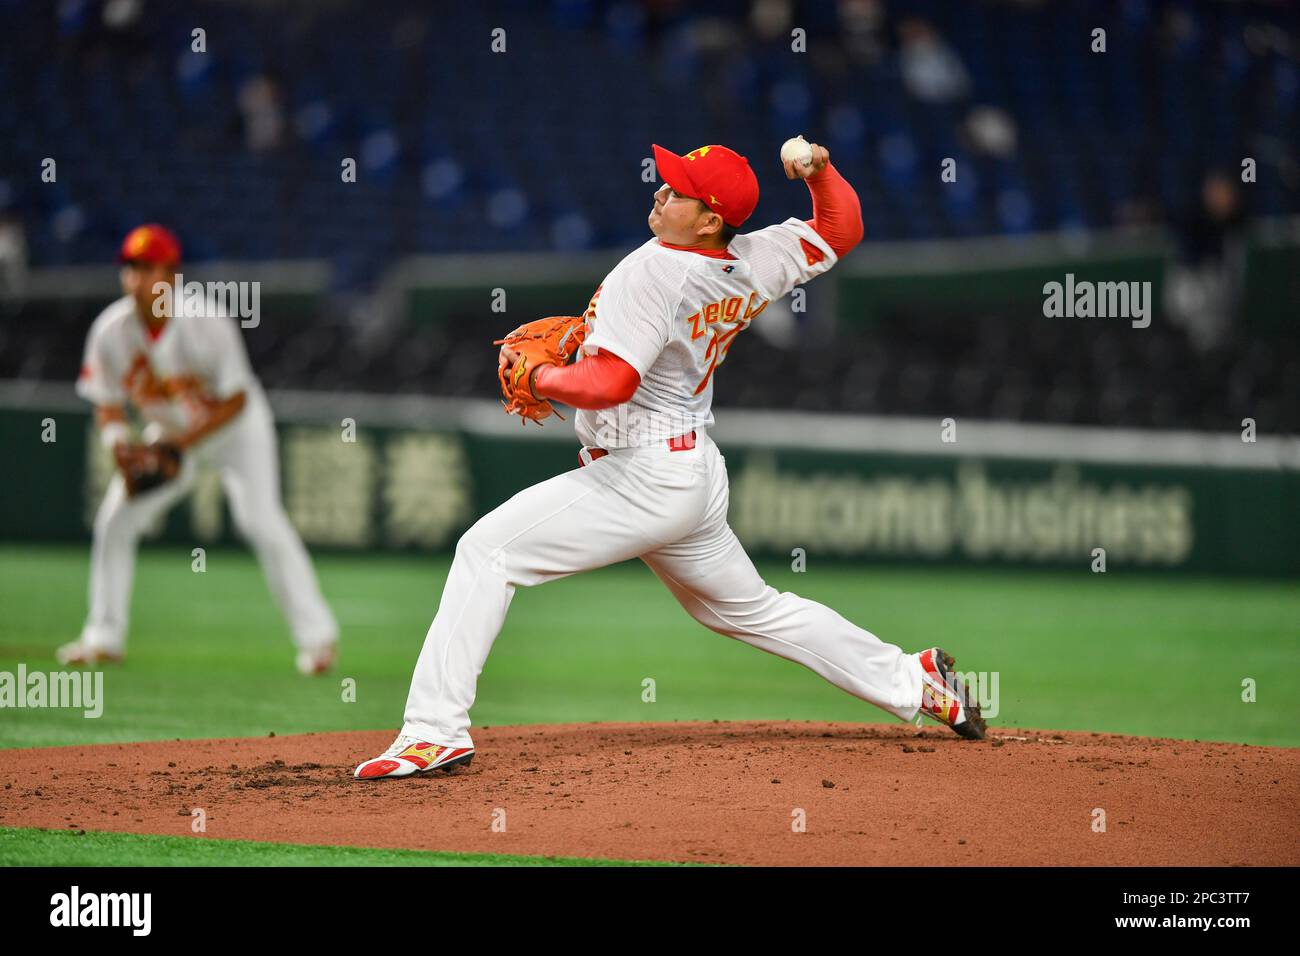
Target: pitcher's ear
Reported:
[(712, 224)]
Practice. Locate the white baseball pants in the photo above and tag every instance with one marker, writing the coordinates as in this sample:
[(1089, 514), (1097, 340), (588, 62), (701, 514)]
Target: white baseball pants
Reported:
[(245, 454), (668, 508)]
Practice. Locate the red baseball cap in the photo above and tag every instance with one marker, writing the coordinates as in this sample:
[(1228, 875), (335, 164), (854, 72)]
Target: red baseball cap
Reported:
[(150, 243), (716, 176)]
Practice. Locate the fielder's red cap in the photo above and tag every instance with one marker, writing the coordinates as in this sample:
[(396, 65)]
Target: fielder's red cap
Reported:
[(716, 176), (150, 243)]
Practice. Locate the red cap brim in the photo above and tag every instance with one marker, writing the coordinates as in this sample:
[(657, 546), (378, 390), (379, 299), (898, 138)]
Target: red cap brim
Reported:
[(672, 170)]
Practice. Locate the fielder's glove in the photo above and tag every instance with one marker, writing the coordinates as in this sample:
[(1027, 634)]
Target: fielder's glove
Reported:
[(549, 341), (145, 467)]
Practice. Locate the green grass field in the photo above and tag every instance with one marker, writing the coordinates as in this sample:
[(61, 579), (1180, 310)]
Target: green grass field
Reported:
[(210, 655), (31, 847)]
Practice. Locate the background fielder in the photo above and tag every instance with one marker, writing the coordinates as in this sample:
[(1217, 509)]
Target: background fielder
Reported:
[(190, 380), (653, 484)]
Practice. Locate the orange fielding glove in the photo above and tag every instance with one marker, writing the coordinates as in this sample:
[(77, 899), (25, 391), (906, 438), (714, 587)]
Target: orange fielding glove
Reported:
[(553, 340)]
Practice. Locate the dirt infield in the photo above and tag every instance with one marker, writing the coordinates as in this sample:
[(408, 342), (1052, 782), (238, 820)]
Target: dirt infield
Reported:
[(707, 792)]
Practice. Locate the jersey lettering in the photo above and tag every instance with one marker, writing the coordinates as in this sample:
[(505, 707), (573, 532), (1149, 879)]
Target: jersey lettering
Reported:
[(723, 312)]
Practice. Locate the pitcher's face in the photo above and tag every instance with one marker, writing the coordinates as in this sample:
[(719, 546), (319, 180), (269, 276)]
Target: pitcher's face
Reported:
[(679, 219)]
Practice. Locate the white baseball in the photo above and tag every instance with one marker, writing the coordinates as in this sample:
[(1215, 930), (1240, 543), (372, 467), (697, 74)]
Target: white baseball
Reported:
[(796, 150)]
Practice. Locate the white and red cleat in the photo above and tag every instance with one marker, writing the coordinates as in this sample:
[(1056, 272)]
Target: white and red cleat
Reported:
[(408, 755), (946, 698), (316, 661), (79, 654)]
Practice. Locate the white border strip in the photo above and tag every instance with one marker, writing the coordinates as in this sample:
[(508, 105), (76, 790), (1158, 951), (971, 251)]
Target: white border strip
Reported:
[(828, 433), (992, 439), (903, 257)]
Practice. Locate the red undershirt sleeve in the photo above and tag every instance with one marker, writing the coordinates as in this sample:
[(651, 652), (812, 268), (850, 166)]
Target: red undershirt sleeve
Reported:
[(598, 381), (837, 214)]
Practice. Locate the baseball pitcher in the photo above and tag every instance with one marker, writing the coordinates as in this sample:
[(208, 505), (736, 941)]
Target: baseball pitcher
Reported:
[(191, 383), (651, 482)]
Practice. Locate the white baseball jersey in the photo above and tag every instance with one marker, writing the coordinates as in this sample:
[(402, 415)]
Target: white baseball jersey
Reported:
[(192, 356), (673, 314)]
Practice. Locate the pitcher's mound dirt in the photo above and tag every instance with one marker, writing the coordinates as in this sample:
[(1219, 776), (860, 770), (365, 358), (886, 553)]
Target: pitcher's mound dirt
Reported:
[(708, 792)]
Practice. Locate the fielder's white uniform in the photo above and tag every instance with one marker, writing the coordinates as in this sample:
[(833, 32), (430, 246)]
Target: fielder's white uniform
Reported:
[(672, 314), (192, 355)]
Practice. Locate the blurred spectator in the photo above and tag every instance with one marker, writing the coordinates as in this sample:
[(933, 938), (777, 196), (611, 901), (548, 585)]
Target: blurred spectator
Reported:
[(932, 71), (122, 14), (13, 254), (261, 106), (991, 130), (1205, 283), (860, 23), (771, 18)]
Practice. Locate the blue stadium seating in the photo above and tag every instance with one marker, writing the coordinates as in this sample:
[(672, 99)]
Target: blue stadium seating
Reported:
[(461, 149)]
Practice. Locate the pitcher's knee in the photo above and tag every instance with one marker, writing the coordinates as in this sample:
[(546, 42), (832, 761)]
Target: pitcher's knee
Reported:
[(478, 544)]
